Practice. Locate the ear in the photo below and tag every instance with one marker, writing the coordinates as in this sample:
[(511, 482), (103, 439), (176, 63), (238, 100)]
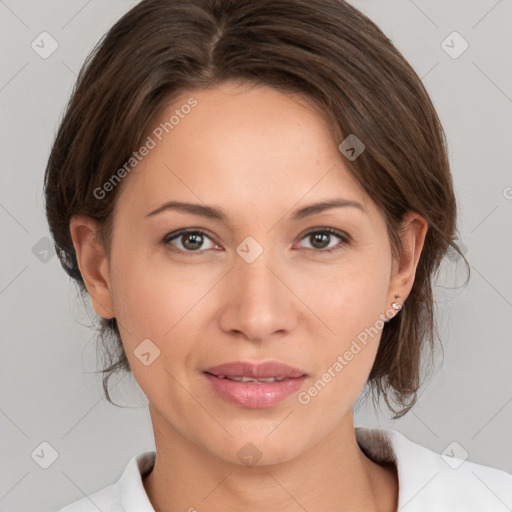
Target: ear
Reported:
[(93, 263), (413, 233)]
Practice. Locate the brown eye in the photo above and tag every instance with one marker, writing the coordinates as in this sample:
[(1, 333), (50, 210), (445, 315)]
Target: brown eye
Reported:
[(321, 240), (192, 241)]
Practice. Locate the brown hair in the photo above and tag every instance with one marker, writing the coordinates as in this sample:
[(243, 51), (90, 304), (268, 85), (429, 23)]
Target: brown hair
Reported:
[(325, 50)]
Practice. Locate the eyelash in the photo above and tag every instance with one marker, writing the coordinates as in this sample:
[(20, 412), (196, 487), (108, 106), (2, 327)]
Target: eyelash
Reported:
[(345, 240)]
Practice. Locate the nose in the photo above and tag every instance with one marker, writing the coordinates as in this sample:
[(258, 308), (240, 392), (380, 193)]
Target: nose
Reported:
[(259, 301)]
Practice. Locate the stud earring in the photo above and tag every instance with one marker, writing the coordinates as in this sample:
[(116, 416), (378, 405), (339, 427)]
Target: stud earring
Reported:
[(396, 305)]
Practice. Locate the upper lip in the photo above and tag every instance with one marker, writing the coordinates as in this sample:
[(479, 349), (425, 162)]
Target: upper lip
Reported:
[(256, 370)]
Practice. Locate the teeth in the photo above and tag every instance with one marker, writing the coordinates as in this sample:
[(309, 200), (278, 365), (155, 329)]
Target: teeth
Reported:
[(250, 379)]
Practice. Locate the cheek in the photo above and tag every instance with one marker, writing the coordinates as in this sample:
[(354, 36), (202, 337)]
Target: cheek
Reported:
[(350, 296), (350, 303), (159, 300), (142, 291), (151, 303)]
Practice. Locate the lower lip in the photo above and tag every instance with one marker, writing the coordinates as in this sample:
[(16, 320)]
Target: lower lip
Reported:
[(255, 396)]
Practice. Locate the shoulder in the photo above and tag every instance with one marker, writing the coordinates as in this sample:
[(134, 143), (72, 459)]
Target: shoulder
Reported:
[(106, 500), (437, 482), (125, 495)]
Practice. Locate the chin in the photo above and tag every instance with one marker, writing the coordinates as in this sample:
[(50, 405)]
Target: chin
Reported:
[(258, 450)]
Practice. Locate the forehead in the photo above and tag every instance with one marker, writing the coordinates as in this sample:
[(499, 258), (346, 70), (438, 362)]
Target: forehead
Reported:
[(244, 144), (252, 116)]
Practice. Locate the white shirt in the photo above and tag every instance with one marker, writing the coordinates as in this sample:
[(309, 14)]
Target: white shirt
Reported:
[(428, 481)]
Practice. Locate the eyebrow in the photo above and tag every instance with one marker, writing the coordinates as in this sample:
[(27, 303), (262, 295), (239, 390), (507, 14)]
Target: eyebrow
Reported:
[(216, 214)]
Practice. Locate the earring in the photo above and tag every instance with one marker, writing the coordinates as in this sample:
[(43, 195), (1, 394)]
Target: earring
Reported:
[(396, 305)]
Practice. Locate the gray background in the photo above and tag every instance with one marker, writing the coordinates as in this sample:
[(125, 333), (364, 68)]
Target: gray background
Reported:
[(47, 390)]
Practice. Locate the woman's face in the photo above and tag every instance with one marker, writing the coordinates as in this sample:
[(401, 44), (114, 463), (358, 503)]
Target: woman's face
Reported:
[(259, 285)]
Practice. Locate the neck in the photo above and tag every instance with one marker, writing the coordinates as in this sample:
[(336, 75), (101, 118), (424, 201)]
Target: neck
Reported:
[(335, 475)]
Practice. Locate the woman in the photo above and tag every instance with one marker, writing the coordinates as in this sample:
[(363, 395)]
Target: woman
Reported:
[(256, 196)]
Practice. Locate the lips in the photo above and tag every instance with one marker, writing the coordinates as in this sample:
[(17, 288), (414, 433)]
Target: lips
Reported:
[(256, 372), (255, 386)]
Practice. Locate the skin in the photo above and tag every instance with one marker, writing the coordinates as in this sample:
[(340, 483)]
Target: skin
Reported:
[(258, 155)]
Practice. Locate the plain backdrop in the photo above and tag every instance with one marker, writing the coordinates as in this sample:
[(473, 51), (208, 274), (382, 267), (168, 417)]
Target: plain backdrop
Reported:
[(48, 393)]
